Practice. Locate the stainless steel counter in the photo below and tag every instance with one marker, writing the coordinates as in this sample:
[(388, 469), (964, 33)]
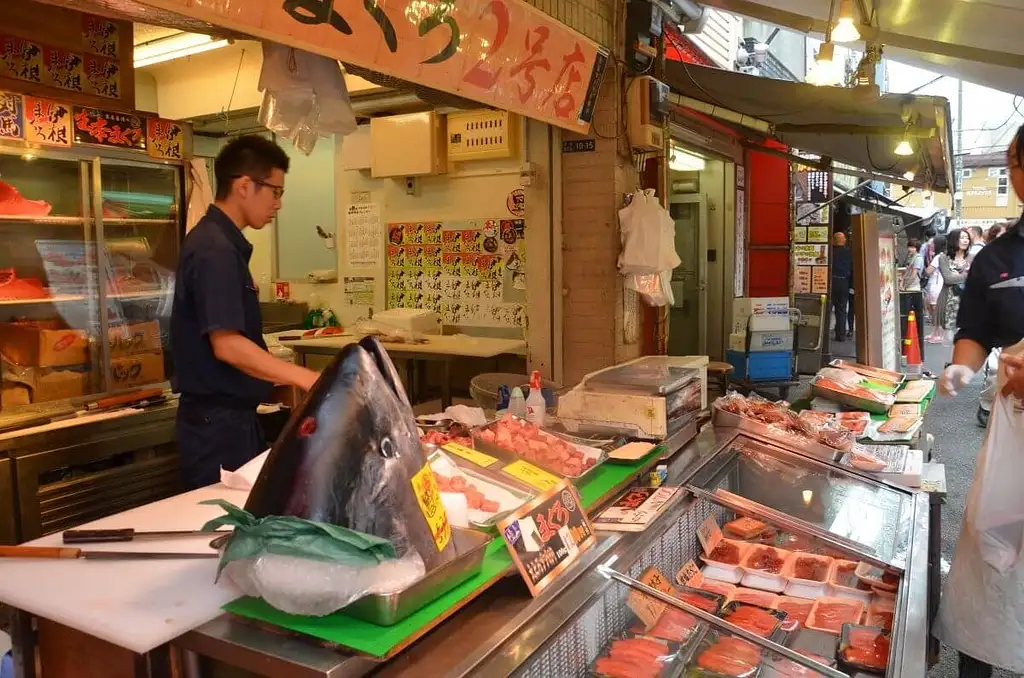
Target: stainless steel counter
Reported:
[(505, 632)]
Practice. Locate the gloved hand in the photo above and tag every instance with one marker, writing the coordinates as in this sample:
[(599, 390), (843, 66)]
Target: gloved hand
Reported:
[(954, 378)]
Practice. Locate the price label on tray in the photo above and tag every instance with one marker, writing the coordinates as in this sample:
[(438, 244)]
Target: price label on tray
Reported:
[(646, 607), (689, 574), (531, 475), (709, 534), (546, 535), (469, 454)]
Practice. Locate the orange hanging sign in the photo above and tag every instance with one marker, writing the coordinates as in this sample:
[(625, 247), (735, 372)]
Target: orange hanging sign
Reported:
[(502, 53)]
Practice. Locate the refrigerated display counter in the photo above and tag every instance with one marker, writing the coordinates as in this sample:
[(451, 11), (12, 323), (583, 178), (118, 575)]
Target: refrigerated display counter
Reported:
[(566, 628)]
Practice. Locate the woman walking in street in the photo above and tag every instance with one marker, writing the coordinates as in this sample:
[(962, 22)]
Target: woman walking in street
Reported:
[(933, 279), (952, 265)]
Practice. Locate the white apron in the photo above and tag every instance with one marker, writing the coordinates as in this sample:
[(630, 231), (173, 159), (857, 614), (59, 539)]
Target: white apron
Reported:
[(982, 610)]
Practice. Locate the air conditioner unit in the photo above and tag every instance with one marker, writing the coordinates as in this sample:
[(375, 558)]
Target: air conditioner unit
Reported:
[(646, 107)]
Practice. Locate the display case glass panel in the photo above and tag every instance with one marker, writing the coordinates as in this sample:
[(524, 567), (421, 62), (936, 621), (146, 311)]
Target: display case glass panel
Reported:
[(49, 302), (874, 518)]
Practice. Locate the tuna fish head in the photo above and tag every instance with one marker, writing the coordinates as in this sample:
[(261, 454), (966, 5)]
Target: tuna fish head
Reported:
[(350, 456)]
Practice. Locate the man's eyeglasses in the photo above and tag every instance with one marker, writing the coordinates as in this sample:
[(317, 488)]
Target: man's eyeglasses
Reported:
[(278, 190)]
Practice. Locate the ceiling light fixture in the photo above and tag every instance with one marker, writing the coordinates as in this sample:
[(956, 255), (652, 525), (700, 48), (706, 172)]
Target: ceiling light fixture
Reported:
[(909, 175), (903, 149), (175, 47), (845, 30), (825, 71), (681, 161)]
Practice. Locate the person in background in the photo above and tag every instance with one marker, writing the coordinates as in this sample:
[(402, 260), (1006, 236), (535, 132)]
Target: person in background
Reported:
[(991, 370), (222, 368), (934, 287), (927, 254), (981, 608), (911, 297), (953, 265), (977, 240), (842, 282)]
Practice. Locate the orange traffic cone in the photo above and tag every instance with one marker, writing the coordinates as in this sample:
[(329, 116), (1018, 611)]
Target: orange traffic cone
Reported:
[(912, 346)]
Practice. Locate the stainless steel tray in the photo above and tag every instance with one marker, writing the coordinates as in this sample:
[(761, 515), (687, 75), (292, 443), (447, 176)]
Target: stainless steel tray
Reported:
[(722, 419), (389, 609), (468, 470)]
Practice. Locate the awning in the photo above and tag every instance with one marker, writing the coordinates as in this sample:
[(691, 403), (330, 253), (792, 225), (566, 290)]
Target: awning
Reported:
[(846, 125), (975, 41)]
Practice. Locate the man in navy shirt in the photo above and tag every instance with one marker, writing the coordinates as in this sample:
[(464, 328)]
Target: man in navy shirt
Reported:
[(221, 365), (842, 282)]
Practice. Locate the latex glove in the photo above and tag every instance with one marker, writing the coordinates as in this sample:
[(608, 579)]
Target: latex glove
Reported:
[(954, 378)]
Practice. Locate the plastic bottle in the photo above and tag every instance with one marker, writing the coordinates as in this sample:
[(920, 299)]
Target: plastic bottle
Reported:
[(517, 403), (536, 407)]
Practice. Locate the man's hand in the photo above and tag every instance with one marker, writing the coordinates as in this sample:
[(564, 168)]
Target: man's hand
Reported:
[(1014, 369), (306, 379), (954, 378)]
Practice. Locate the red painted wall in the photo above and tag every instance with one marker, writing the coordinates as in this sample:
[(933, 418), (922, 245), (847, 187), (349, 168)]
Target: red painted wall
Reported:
[(768, 225)]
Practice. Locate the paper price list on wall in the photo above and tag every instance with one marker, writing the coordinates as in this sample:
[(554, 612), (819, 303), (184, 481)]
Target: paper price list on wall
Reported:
[(470, 272), (362, 234)]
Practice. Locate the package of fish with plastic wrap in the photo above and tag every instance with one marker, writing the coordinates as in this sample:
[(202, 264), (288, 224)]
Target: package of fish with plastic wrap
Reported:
[(346, 505)]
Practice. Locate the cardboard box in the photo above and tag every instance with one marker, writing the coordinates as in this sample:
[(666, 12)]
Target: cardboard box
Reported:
[(135, 338), (746, 307), (43, 344), (59, 384), (137, 370), (738, 341)]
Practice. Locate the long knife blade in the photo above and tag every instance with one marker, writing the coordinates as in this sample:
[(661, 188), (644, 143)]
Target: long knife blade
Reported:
[(145, 555), (126, 534)]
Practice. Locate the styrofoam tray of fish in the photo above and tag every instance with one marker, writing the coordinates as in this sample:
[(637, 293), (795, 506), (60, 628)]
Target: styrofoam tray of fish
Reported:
[(487, 500), (389, 609), (513, 436), (723, 419), (763, 568)]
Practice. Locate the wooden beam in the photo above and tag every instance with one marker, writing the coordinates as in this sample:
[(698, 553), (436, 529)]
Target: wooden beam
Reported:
[(869, 130)]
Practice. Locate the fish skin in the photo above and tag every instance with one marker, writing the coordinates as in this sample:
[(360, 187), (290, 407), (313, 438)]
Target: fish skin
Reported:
[(354, 465)]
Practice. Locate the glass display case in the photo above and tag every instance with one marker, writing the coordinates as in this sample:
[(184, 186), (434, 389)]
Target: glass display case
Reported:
[(87, 274)]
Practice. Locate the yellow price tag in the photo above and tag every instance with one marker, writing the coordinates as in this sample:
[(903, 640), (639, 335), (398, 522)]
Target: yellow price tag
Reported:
[(531, 475), (469, 454), (424, 486)]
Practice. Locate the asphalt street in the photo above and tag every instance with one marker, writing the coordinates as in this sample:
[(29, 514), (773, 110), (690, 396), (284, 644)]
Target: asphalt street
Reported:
[(958, 438)]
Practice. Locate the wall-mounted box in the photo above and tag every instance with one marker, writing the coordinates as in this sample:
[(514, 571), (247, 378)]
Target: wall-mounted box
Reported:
[(483, 135), (408, 145), (356, 150)]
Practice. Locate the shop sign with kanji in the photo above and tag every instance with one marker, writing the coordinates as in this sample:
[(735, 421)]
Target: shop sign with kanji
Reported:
[(107, 128), (165, 139), (502, 53), (12, 116), (47, 122), (546, 535)]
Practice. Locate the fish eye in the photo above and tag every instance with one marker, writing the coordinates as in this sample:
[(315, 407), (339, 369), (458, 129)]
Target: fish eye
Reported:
[(387, 448)]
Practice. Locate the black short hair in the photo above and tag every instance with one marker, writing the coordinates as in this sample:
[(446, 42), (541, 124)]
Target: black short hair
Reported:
[(915, 243), (247, 156), (1017, 146), (976, 231)]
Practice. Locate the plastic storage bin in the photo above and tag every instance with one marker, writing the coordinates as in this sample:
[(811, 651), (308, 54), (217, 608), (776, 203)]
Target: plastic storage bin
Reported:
[(764, 366)]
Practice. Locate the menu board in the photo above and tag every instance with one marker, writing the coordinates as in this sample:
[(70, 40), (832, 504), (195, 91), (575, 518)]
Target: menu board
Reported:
[(470, 272), (546, 535)]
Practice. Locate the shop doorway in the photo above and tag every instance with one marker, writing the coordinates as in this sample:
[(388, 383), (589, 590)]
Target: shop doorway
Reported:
[(688, 314)]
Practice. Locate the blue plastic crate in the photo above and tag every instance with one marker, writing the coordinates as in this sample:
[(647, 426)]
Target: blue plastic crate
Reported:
[(764, 365)]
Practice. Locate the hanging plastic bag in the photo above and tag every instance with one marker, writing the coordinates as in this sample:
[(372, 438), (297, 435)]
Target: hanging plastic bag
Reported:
[(654, 288), (648, 236), (997, 512)]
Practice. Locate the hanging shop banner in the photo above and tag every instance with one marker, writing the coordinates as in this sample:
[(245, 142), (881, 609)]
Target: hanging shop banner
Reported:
[(887, 292), (546, 535), (12, 116), (47, 122), (106, 128), (502, 53), (102, 76), (165, 139), (63, 69)]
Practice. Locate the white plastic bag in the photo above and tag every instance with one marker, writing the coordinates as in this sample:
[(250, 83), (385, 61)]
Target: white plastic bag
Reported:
[(648, 236), (997, 513)]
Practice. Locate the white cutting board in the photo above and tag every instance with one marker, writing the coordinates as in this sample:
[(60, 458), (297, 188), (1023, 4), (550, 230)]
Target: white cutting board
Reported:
[(138, 605)]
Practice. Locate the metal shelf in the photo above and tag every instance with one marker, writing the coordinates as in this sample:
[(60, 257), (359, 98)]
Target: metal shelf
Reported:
[(138, 222), (43, 221), (66, 298)]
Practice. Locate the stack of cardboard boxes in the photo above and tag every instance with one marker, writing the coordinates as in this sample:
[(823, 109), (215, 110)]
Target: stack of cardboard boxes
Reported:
[(45, 360), (770, 354)]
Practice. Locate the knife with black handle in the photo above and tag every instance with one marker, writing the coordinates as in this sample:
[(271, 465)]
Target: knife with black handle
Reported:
[(125, 534)]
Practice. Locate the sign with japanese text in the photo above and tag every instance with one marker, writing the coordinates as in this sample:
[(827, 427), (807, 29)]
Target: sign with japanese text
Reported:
[(547, 535), (165, 139), (63, 69), (21, 59), (12, 116), (47, 122), (106, 128), (102, 76), (648, 608), (101, 36), (502, 53)]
